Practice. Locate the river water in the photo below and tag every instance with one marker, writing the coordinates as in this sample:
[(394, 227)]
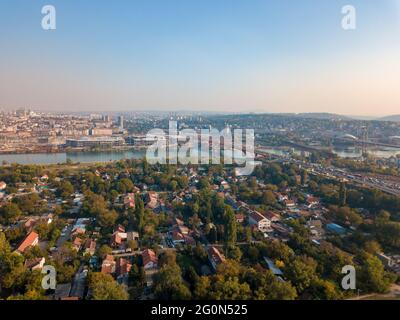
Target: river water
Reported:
[(102, 156)]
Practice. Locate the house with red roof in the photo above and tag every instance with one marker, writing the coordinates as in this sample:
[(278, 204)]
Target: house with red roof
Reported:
[(108, 266), (90, 246), (32, 239), (129, 201), (215, 257), (150, 259), (312, 201), (3, 185)]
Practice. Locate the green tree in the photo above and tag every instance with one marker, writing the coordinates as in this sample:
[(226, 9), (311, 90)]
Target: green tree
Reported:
[(231, 289), (268, 198), (202, 288), (231, 227), (371, 275), (104, 287), (10, 213), (342, 194), (139, 213), (103, 251), (169, 284), (302, 272)]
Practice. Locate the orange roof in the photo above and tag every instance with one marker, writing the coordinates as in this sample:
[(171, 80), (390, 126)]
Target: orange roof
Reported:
[(77, 241), (28, 241), (148, 256), (217, 256)]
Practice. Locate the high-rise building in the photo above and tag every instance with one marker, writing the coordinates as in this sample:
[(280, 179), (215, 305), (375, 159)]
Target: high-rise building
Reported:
[(121, 122)]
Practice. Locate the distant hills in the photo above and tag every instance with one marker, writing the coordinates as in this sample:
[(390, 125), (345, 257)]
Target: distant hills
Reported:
[(333, 116), (394, 118), (322, 116)]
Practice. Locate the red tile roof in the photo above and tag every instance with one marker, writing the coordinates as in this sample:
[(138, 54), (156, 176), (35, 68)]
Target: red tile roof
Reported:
[(148, 256), (30, 239)]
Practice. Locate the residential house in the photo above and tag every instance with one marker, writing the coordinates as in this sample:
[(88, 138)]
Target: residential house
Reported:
[(132, 236), (108, 266), (29, 223), (281, 197), (150, 259), (129, 201), (119, 228), (3, 185), (90, 247), (32, 239), (123, 267), (77, 243), (35, 263), (281, 229), (262, 223), (289, 203), (312, 201), (78, 231), (151, 200), (239, 218), (177, 237), (119, 238), (272, 216), (215, 257)]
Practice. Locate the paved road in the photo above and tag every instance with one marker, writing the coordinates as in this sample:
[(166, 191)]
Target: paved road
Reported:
[(79, 283), (62, 239), (136, 253)]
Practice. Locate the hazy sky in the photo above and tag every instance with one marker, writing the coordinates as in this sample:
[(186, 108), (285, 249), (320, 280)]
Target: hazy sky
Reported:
[(211, 55)]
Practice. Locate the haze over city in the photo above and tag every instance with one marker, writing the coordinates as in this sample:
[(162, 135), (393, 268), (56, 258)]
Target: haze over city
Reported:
[(227, 56)]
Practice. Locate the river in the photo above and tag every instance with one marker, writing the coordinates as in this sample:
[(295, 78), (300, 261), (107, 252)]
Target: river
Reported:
[(108, 156)]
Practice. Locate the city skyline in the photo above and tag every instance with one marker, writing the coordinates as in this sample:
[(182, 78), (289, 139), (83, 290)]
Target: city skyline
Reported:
[(241, 56)]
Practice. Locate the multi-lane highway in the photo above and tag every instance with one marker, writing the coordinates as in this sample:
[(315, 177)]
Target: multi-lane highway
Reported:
[(370, 181)]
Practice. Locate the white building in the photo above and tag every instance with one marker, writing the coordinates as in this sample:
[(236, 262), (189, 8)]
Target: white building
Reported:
[(263, 224)]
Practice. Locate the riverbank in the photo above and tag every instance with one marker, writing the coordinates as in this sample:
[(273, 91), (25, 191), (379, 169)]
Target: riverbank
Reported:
[(73, 157), (69, 150)]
